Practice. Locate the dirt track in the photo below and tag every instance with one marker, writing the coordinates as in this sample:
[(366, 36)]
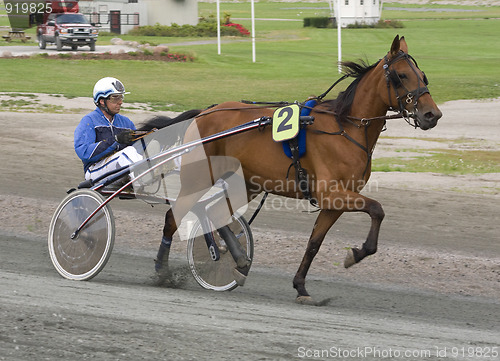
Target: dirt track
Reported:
[(431, 292)]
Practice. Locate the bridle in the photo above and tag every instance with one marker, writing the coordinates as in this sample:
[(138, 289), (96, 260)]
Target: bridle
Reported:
[(407, 96), (391, 76)]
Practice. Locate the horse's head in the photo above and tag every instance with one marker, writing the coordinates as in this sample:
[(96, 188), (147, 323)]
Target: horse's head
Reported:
[(407, 87)]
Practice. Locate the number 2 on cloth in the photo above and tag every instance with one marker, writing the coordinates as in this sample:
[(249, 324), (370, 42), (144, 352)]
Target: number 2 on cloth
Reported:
[(286, 123)]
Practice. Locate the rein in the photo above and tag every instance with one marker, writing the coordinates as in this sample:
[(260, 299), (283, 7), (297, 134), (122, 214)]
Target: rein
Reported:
[(139, 134), (267, 105), (343, 133), (391, 77)]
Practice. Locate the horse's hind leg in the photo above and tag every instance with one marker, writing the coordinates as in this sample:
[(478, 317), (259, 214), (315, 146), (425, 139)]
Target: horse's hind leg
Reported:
[(193, 186), (324, 222), (177, 212), (161, 261)]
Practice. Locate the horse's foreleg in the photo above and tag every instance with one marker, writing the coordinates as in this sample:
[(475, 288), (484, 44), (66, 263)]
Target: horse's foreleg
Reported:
[(324, 222), (332, 208), (376, 213)]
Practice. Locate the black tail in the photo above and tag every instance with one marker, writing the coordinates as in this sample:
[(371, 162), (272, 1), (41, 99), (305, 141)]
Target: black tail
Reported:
[(161, 121)]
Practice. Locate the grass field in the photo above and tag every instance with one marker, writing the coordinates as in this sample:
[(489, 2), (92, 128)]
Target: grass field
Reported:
[(450, 161), (459, 52)]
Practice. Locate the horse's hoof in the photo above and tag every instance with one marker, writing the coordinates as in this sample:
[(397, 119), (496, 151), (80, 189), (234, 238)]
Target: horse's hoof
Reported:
[(305, 300), (159, 278), (349, 259), (239, 277), (243, 262), (171, 278)]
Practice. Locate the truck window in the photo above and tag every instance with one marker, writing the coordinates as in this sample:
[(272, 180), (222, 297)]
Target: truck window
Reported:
[(72, 19)]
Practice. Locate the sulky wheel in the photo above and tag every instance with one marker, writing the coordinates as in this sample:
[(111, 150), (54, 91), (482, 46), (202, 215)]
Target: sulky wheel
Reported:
[(86, 255), (217, 275)]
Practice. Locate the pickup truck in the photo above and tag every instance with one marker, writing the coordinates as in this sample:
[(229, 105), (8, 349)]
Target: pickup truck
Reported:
[(67, 29)]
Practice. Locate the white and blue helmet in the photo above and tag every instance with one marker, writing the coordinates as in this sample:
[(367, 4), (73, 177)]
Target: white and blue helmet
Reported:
[(107, 86)]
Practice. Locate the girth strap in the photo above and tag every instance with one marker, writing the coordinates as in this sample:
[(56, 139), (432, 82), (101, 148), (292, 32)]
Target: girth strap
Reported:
[(301, 176), (300, 173)]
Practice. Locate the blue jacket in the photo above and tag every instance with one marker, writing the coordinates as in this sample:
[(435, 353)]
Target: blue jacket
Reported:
[(95, 136)]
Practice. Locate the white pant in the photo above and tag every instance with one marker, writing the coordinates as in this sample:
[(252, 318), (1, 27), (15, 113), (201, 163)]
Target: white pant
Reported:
[(117, 160)]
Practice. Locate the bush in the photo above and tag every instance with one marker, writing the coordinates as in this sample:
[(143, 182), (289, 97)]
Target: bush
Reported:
[(241, 29), (390, 24), (325, 22), (319, 22), (206, 28), (381, 24)]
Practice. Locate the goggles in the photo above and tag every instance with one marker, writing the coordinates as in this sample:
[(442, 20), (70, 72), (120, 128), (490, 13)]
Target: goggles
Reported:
[(116, 98)]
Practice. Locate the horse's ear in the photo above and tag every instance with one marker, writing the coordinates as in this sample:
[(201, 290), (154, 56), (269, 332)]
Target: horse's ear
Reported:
[(395, 46), (402, 44)]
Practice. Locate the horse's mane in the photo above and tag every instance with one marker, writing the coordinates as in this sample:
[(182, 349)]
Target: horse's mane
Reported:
[(342, 104), (162, 121)]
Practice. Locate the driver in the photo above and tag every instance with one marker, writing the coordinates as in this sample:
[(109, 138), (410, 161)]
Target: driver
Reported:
[(103, 138)]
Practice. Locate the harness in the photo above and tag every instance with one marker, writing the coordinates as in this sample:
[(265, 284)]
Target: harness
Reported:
[(299, 141), (408, 97), (293, 148)]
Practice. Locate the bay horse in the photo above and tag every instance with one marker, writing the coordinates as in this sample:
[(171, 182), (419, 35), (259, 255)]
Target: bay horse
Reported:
[(340, 143)]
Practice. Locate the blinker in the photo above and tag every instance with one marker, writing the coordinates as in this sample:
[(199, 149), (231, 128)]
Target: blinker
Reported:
[(426, 82)]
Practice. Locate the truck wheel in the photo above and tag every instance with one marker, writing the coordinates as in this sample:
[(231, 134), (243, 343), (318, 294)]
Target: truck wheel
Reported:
[(42, 44), (58, 43), (92, 46)]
